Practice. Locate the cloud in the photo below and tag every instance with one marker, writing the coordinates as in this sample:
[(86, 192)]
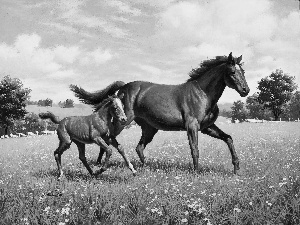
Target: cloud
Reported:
[(46, 68), (98, 56), (74, 15), (124, 8)]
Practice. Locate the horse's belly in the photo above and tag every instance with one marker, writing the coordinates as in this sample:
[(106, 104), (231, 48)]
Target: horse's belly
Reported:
[(167, 122)]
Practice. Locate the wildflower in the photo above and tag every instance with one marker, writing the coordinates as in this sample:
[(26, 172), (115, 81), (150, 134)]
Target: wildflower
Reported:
[(61, 223), (250, 203), (269, 203), (47, 209), (154, 210), (65, 211), (281, 184), (207, 221), (184, 220), (122, 207), (236, 209)]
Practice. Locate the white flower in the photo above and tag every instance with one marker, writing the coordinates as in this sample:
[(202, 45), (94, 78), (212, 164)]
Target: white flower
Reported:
[(184, 220), (236, 209)]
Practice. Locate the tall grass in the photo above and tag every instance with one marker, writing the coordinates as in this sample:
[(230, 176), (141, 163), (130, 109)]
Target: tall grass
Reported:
[(166, 190)]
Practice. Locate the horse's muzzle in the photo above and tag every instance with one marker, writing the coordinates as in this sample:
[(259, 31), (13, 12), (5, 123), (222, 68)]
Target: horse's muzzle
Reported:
[(245, 91), (123, 120)]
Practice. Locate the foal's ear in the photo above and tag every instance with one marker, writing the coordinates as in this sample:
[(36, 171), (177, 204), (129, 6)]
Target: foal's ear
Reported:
[(230, 59), (121, 96), (239, 59)]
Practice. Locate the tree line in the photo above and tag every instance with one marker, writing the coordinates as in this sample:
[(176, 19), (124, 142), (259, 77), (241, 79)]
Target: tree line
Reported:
[(275, 99)]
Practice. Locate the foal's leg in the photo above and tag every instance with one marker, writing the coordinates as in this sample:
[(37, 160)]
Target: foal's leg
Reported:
[(99, 141), (215, 132), (63, 146), (192, 128), (117, 128), (121, 151), (148, 133), (81, 150)]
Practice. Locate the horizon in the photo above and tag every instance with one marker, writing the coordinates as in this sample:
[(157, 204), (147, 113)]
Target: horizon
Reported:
[(50, 45)]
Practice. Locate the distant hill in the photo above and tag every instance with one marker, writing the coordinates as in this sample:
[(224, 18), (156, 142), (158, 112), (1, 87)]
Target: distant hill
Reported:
[(78, 110)]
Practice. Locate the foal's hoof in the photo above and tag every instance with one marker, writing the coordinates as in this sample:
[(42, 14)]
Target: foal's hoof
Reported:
[(99, 171)]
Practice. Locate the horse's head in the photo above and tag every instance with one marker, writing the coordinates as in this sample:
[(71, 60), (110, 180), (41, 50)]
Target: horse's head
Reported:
[(117, 109), (235, 78)]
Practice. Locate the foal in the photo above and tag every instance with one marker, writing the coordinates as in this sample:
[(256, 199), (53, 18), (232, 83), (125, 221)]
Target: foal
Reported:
[(95, 128)]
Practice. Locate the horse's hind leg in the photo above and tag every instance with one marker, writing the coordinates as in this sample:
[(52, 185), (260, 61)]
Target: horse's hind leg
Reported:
[(81, 150), (63, 146), (216, 132), (121, 151), (101, 153), (148, 133)]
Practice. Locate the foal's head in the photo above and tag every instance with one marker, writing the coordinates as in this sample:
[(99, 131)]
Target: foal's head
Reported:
[(116, 108), (235, 78)]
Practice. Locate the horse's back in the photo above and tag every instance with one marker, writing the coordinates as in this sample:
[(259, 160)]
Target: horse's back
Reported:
[(157, 104)]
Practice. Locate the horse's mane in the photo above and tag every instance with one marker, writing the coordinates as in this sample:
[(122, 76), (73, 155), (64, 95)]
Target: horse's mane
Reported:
[(205, 66), (103, 103)]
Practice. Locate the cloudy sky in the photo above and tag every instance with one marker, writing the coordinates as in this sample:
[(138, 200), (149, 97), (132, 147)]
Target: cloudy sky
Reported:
[(53, 43)]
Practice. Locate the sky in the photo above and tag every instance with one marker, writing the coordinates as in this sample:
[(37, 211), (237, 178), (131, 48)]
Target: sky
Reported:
[(51, 44)]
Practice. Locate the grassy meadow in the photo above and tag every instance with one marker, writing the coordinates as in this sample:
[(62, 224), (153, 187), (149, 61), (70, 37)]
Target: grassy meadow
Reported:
[(166, 190)]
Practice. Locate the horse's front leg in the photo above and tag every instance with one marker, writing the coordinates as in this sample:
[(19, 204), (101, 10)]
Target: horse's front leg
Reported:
[(216, 132), (101, 153), (192, 128), (122, 152)]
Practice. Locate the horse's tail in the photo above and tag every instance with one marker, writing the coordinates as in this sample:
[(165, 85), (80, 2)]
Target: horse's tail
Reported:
[(49, 115), (94, 98)]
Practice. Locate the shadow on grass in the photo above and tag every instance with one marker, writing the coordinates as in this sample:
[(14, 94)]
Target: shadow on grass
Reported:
[(118, 170), (168, 166)]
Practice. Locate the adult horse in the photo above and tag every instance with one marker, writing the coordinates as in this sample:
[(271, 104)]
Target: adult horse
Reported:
[(191, 106)]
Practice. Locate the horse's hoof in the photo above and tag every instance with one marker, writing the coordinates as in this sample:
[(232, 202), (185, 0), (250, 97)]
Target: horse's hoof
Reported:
[(99, 171), (237, 173)]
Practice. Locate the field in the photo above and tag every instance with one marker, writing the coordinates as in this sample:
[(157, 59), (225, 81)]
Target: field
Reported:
[(166, 190)]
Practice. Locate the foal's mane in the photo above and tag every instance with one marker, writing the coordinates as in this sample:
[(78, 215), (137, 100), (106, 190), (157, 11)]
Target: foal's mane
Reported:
[(205, 66), (104, 103)]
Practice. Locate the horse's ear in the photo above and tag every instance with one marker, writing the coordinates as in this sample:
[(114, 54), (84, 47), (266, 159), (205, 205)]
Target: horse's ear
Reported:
[(121, 96), (230, 59), (239, 59)]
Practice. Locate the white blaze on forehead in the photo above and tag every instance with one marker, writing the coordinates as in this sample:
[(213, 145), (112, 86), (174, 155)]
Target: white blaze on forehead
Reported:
[(237, 67), (119, 103)]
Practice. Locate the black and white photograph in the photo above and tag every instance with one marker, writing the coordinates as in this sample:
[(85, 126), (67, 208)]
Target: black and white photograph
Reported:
[(150, 112)]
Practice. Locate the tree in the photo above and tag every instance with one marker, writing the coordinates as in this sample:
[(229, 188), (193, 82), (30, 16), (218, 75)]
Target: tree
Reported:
[(238, 111), (294, 106), (46, 102), (255, 109), (69, 103), (12, 101), (275, 91)]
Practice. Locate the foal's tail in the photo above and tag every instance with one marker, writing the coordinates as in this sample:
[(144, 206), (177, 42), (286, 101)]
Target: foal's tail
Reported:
[(94, 98), (49, 115)]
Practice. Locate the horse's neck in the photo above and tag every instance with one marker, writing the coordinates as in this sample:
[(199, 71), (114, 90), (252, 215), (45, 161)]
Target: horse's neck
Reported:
[(212, 83), (104, 114)]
